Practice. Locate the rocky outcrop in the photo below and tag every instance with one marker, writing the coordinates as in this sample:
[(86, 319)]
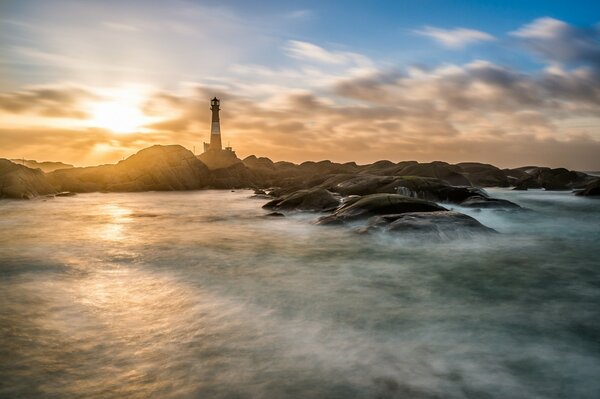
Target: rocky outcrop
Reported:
[(157, 168), (547, 178), (45, 166), (451, 174), (484, 175), (21, 182), (219, 159), (378, 204), (592, 189), (439, 224), (316, 199), (419, 187)]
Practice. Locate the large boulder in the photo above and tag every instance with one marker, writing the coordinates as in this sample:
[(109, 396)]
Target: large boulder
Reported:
[(548, 179), (439, 224), (316, 199), (21, 182), (484, 175), (159, 168), (440, 170), (379, 204), (420, 187), (592, 189), (486, 202)]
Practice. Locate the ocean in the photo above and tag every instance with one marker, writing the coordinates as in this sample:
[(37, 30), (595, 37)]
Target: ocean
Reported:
[(199, 295)]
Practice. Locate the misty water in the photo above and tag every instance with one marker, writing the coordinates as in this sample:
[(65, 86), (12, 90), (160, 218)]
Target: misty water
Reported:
[(198, 295)]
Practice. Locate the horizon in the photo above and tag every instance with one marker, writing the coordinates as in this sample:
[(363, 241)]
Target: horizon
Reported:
[(93, 83)]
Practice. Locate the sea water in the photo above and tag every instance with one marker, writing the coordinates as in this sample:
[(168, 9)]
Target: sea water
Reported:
[(199, 295)]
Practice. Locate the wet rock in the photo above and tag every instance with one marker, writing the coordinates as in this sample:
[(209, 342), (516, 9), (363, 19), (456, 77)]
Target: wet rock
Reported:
[(379, 204), (65, 194), (21, 182), (420, 187), (316, 199), (592, 189), (486, 202), (440, 224), (484, 175), (451, 174), (275, 214)]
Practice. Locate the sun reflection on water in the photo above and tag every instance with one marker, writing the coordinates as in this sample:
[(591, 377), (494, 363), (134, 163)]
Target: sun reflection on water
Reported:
[(116, 217)]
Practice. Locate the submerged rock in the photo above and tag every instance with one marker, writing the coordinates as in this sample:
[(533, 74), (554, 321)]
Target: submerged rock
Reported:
[(316, 199), (485, 202), (275, 214), (440, 224), (21, 182), (379, 204)]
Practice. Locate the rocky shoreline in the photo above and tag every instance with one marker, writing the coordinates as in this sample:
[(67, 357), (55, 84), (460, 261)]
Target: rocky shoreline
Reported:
[(388, 196)]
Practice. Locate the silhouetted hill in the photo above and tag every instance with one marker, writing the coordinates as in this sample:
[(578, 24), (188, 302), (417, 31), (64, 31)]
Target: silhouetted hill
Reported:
[(21, 182), (45, 166)]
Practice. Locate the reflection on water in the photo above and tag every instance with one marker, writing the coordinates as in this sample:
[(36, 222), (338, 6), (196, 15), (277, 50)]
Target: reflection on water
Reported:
[(197, 295)]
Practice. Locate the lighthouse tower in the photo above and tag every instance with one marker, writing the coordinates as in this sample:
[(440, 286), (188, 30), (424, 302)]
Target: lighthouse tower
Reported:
[(215, 128)]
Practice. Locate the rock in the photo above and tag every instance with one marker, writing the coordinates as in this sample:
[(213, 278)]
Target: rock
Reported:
[(484, 175), (549, 179), (157, 168), (316, 199), (440, 224), (379, 204), (65, 194), (486, 202), (275, 214), (45, 166), (219, 159), (420, 187), (591, 189), (451, 174), (21, 182)]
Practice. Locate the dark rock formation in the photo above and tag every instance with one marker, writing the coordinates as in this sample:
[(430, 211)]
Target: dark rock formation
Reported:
[(420, 187), (439, 224), (485, 202), (316, 199), (547, 178), (440, 170), (484, 175), (591, 189), (160, 168), (21, 182), (379, 204)]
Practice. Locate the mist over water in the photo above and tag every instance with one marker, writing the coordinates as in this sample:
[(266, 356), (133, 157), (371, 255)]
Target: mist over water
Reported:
[(198, 295)]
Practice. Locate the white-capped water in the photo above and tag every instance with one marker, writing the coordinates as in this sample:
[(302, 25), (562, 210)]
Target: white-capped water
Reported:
[(198, 295)]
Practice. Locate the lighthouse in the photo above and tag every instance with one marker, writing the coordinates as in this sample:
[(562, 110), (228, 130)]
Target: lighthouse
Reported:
[(215, 127), (214, 155)]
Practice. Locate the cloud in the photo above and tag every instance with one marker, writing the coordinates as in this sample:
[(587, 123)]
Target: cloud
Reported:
[(311, 52), (557, 41), (48, 101), (455, 38)]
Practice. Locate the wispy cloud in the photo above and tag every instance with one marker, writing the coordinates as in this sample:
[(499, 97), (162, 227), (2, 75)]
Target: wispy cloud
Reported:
[(455, 38), (311, 52)]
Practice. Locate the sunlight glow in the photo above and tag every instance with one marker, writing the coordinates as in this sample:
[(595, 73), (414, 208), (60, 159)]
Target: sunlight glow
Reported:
[(120, 113)]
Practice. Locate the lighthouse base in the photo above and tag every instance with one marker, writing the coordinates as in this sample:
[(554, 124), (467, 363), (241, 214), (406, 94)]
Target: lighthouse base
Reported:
[(218, 159)]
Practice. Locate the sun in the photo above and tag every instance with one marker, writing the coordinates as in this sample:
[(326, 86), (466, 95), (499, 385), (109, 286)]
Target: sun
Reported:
[(120, 113)]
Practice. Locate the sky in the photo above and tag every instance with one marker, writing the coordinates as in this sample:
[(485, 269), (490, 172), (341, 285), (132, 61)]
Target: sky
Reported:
[(511, 83)]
